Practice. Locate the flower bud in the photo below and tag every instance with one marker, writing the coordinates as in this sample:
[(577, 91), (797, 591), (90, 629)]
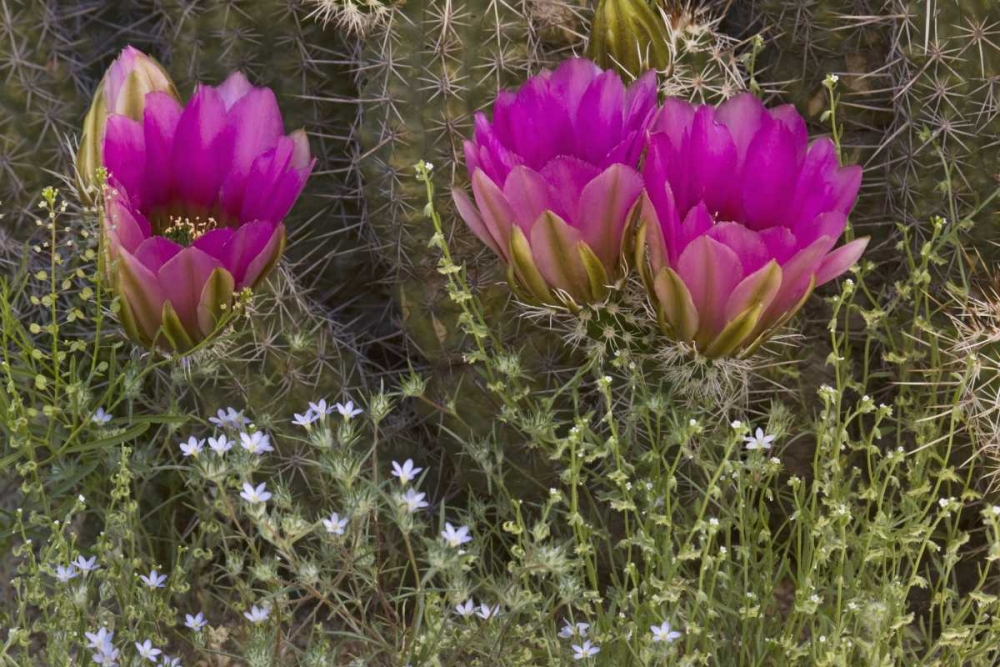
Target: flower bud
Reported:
[(629, 36), (122, 91)]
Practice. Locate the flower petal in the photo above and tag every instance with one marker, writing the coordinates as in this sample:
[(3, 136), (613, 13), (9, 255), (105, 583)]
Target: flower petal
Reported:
[(840, 260), (527, 192), (256, 125), (233, 89), (770, 175), (710, 271), (182, 279), (125, 153), (553, 247), (468, 212), (603, 211), (202, 149), (496, 211), (160, 118)]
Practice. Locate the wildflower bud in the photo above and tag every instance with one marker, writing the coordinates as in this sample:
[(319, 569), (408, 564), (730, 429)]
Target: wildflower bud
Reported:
[(122, 91), (628, 35)]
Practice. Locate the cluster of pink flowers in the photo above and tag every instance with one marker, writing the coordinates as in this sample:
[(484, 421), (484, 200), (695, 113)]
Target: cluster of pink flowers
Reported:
[(735, 213)]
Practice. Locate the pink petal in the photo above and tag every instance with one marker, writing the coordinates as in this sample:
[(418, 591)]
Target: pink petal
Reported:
[(214, 242), (769, 176), (496, 211), (125, 153), (233, 89), (467, 211), (743, 115), (840, 260), (789, 116), (156, 251), (599, 117), (554, 249), (256, 253), (527, 192), (160, 118), (202, 149), (746, 243), (567, 177), (256, 125), (711, 272), (141, 289), (674, 120), (796, 274), (603, 211), (273, 185), (711, 161), (831, 225), (182, 279), (697, 222), (128, 228)]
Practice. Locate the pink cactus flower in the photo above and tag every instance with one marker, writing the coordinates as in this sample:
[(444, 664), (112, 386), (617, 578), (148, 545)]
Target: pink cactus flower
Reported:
[(554, 178), (739, 221), (195, 206)]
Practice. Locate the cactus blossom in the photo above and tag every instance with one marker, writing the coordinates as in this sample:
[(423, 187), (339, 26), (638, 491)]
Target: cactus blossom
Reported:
[(195, 206), (554, 178), (122, 91), (739, 220)]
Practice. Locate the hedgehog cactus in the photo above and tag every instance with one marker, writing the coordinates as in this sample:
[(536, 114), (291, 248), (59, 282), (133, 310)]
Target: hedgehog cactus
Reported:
[(946, 73)]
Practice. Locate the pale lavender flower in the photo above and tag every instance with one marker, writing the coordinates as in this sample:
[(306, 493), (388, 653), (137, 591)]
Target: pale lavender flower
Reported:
[(65, 573), (154, 580), (100, 640), (455, 537), (759, 440), (86, 565), (101, 417), (585, 650), (465, 609), (147, 651), (257, 614), (574, 630), (229, 418), (305, 420), (255, 495), (347, 410), (413, 501), (320, 408), (335, 525), (257, 442), (196, 622), (663, 633), (487, 612), (406, 472), (193, 447), (220, 445)]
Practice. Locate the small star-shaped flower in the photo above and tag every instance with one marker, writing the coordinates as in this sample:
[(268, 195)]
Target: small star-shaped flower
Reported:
[(347, 410), (574, 630), (413, 500), (86, 565), (253, 495), (229, 418), (147, 651), (585, 650), (406, 472), (257, 614), (220, 445), (465, 609), (193, 447), (65, 573), (100, 417), (196, 622), (154, 580), (256, 442), (759, 440), (663, 633), (335, 525), (455, 537)]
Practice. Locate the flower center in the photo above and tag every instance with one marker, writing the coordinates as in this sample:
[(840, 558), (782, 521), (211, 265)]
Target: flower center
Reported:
[(185, 230)]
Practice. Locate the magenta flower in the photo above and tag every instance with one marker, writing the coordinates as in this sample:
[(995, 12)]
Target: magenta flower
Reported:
[(554, 179), (195, 208), (739, 220)]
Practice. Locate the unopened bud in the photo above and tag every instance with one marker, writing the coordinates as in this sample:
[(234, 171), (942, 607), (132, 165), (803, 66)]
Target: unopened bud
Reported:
[(122, 91), (628, 35)]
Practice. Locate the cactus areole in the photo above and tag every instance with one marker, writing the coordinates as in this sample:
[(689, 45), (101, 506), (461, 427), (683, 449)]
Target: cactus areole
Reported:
[(194, 206)]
